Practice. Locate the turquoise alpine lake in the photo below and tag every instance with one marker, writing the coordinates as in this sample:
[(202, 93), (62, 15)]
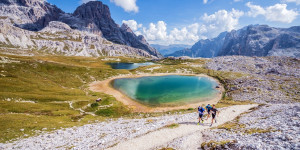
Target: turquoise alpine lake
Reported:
[(129, 66), (170, 90)]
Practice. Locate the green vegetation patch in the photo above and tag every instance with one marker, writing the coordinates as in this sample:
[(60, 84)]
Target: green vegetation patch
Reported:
[(231, 126), (216, 144), (259, 130), (42, 92)]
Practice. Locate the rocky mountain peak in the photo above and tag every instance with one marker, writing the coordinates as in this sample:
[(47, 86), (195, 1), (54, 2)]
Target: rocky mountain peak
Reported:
[(252, 40), (93, 10), (126, 28)]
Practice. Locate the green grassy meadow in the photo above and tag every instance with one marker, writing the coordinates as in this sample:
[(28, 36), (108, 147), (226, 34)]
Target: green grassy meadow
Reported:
[(45, 93)]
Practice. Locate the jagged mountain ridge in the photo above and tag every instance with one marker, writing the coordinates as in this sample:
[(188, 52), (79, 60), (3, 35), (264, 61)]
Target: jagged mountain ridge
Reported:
[(252, 40), (98, 13), (30, 14), (92, 17), (59, 39)]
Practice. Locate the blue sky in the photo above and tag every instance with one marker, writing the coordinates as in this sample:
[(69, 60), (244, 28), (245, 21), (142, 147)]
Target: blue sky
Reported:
[(187, 21)]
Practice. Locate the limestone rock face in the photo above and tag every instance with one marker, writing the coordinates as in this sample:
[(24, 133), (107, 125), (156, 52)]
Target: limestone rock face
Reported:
[(30, 14), (59, 39), (89, 31), (98, 14), (262, 40)]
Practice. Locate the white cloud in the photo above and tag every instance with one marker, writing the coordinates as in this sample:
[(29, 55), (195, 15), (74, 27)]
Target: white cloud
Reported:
[(292, 1), (156, 31), (237, 0), (85, 1), (220, 21), (205, 1), (189, 33), (127, 5), (211, 26), (277, 12)]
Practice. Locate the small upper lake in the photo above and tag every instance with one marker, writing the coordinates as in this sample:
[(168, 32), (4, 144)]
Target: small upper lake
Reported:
[(167, 90), (129, 66)]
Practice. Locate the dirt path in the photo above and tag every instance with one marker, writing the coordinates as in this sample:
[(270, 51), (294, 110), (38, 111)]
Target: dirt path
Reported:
[(165, 135)]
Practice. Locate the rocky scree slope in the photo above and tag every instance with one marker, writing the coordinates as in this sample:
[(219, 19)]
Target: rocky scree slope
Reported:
[(252, 40), (90, 18), (265, 80), (274, 83), (59, 39)]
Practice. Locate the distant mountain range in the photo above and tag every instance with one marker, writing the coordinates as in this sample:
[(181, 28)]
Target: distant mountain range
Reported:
[(89, 31), (252, 40), (165, 50)]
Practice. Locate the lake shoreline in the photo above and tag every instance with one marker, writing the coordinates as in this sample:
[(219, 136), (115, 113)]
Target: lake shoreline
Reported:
[(105, 87)]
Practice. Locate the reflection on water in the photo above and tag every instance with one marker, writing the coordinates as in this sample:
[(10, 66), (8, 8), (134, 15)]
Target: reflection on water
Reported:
[(170, 90), (129, 66)]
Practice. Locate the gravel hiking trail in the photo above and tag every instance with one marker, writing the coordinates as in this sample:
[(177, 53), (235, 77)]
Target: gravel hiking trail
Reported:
[(166, 135), (128, 134)]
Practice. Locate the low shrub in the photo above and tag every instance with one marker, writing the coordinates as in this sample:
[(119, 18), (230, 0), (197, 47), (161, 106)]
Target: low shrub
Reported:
[(94, 105)]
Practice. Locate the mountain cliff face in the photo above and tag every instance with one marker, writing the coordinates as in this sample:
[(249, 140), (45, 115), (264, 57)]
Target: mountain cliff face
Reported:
[(90, 19), (30, 14), (95, 12), (253, 40), (59, 39), (262, 40)]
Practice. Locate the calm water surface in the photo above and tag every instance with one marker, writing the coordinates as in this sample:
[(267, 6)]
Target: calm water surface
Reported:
[(129, 66), (167, 90)]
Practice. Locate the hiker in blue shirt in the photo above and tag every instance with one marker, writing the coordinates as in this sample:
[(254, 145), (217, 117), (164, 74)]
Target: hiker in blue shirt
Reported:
[(208, 108), (201, 111)]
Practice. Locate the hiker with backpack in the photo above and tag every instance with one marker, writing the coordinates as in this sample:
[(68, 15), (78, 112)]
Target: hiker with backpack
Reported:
[(201, 111), (214, 113), (208, 108)]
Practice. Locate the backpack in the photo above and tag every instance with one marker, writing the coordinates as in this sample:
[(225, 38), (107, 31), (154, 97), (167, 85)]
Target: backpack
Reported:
[(201, 109), (208, 107)]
